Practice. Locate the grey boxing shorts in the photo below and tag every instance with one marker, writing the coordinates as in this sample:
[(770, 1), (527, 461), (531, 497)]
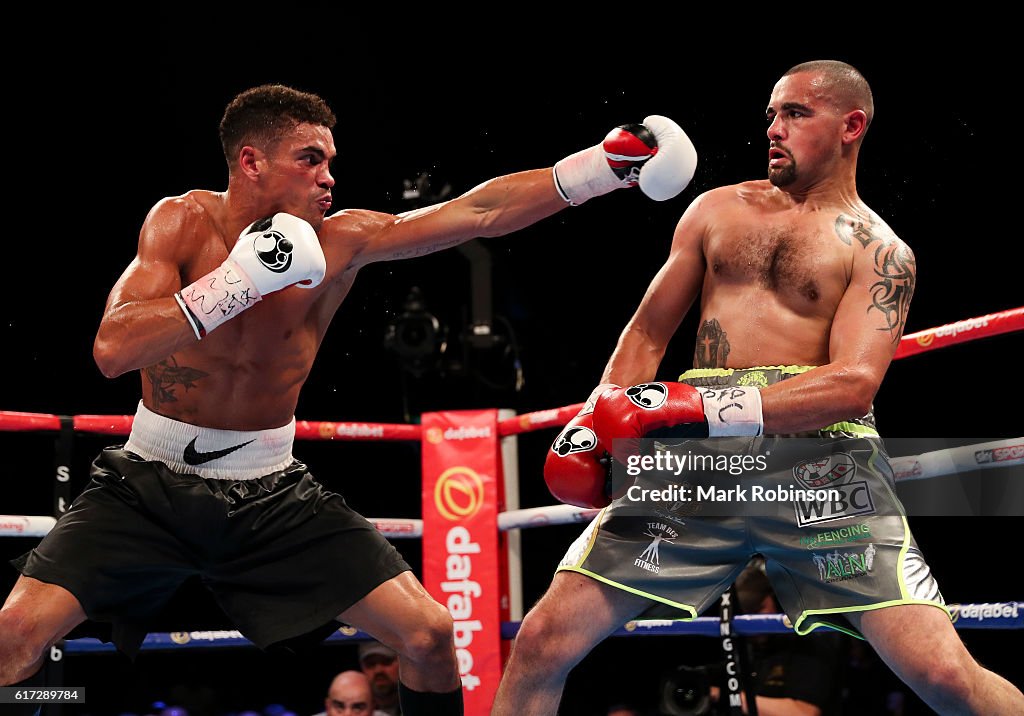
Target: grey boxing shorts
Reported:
[(852, 553)]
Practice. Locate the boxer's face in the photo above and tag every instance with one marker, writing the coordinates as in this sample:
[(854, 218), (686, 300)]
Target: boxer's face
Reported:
[(298, 178), (804, 132)]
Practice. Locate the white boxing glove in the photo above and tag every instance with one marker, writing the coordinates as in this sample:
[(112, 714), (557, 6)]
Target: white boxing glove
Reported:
[(656, 154), (273, 253)]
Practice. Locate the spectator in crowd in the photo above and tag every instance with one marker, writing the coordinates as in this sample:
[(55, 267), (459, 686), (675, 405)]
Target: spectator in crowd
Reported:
[(349, 695), (380, 664)]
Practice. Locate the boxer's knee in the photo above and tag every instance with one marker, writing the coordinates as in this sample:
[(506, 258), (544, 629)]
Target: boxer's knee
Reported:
[(543, 640), (432, 638), (22, 650), (945, 681), (949, 682)]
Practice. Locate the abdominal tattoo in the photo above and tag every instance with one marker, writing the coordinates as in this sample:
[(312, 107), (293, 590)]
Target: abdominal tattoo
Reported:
[(165, 376), (895, 267), (712, 349)]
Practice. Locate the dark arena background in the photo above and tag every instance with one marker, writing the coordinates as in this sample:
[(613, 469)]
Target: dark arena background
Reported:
[(129, 119)]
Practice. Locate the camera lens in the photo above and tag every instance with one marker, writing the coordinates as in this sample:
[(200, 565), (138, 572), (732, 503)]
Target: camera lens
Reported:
[(686, 692)]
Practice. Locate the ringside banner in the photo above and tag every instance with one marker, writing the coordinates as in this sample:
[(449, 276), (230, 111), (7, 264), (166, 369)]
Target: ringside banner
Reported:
[(461, 476)]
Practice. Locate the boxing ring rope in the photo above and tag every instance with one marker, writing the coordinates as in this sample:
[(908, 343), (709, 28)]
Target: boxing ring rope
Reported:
[(1000, 615), (991, 324), (914, 467)]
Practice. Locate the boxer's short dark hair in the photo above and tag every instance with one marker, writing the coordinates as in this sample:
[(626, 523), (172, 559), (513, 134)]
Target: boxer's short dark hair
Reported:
[(260, 116)]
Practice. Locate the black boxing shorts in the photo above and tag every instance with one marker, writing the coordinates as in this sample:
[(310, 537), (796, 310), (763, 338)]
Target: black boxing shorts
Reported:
[(855, 555), (281, 555)]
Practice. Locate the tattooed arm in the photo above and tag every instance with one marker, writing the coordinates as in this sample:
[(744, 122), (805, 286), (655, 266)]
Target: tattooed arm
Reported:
[(142, 323), (866, 331)]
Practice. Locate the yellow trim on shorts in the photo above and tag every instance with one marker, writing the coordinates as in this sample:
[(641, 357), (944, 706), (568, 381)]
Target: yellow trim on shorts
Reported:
[(623, 587), (721, 372), (853, 428), (905, 547), (593, 536), (866, 608)]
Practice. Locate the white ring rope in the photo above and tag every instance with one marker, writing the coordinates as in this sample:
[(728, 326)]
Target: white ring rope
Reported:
[(980, 456)]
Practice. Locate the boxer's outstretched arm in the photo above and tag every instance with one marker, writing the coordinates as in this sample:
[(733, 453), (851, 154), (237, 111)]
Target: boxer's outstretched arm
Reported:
[(642, 343), (657, 156), (496, 207), (865, 333), (142, 323)]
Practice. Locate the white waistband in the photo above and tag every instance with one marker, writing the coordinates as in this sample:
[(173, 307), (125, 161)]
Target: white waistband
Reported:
[(209, 452)]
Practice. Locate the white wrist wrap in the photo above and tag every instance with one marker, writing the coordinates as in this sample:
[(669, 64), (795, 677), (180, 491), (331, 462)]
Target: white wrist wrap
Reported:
[(584, 175), (733, 412), (217, 297)]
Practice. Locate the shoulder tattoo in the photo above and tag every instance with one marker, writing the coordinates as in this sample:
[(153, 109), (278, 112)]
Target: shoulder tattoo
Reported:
[(895, 269)]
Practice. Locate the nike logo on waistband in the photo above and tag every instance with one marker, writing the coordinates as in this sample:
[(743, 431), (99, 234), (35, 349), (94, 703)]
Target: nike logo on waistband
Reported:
[(194, 457)]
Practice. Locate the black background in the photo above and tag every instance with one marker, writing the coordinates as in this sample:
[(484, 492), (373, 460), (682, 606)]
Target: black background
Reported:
[(123, 120)]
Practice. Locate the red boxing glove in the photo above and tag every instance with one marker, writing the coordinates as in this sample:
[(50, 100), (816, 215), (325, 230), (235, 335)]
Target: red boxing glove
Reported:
[(577, 469), (657, 155), (627, 148), (626, 415)]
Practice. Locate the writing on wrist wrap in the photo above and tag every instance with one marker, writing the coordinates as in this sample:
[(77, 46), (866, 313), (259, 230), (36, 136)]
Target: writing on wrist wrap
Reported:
[(733, 411), (217, 297)]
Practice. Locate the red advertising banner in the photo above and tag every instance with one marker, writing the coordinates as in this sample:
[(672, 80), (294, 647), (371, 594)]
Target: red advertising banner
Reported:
[(461, 487)]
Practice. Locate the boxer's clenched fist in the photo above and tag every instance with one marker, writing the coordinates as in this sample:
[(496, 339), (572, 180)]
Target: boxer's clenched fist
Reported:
[(657, 155), (576, 469), (271, 254), (625, 415)]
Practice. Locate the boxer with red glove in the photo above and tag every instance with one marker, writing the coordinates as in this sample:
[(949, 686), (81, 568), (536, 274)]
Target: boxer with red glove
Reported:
[(576, 469), (625, 415), (657, 155)]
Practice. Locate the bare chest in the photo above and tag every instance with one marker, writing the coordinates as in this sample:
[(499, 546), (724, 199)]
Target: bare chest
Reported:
[(287, 320), (799, 258)]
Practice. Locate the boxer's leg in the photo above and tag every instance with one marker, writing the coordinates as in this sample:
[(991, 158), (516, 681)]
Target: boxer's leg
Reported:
[(34, 617), (401, 614), (920, 645), (573, 616)]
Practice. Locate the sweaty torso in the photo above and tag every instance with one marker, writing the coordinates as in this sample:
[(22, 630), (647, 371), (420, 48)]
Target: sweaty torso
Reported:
[(246, 375), (775, 273)]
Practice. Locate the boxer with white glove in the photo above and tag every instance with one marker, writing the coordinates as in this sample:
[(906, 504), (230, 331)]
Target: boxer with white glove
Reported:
[(576, 470), (271, 254), (657, 155), (628, 414)]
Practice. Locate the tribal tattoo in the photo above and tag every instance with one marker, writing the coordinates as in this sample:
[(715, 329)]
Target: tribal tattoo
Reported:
[(895, 267), (712, 349), (165, 375), (849, 228), (896, 270)]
